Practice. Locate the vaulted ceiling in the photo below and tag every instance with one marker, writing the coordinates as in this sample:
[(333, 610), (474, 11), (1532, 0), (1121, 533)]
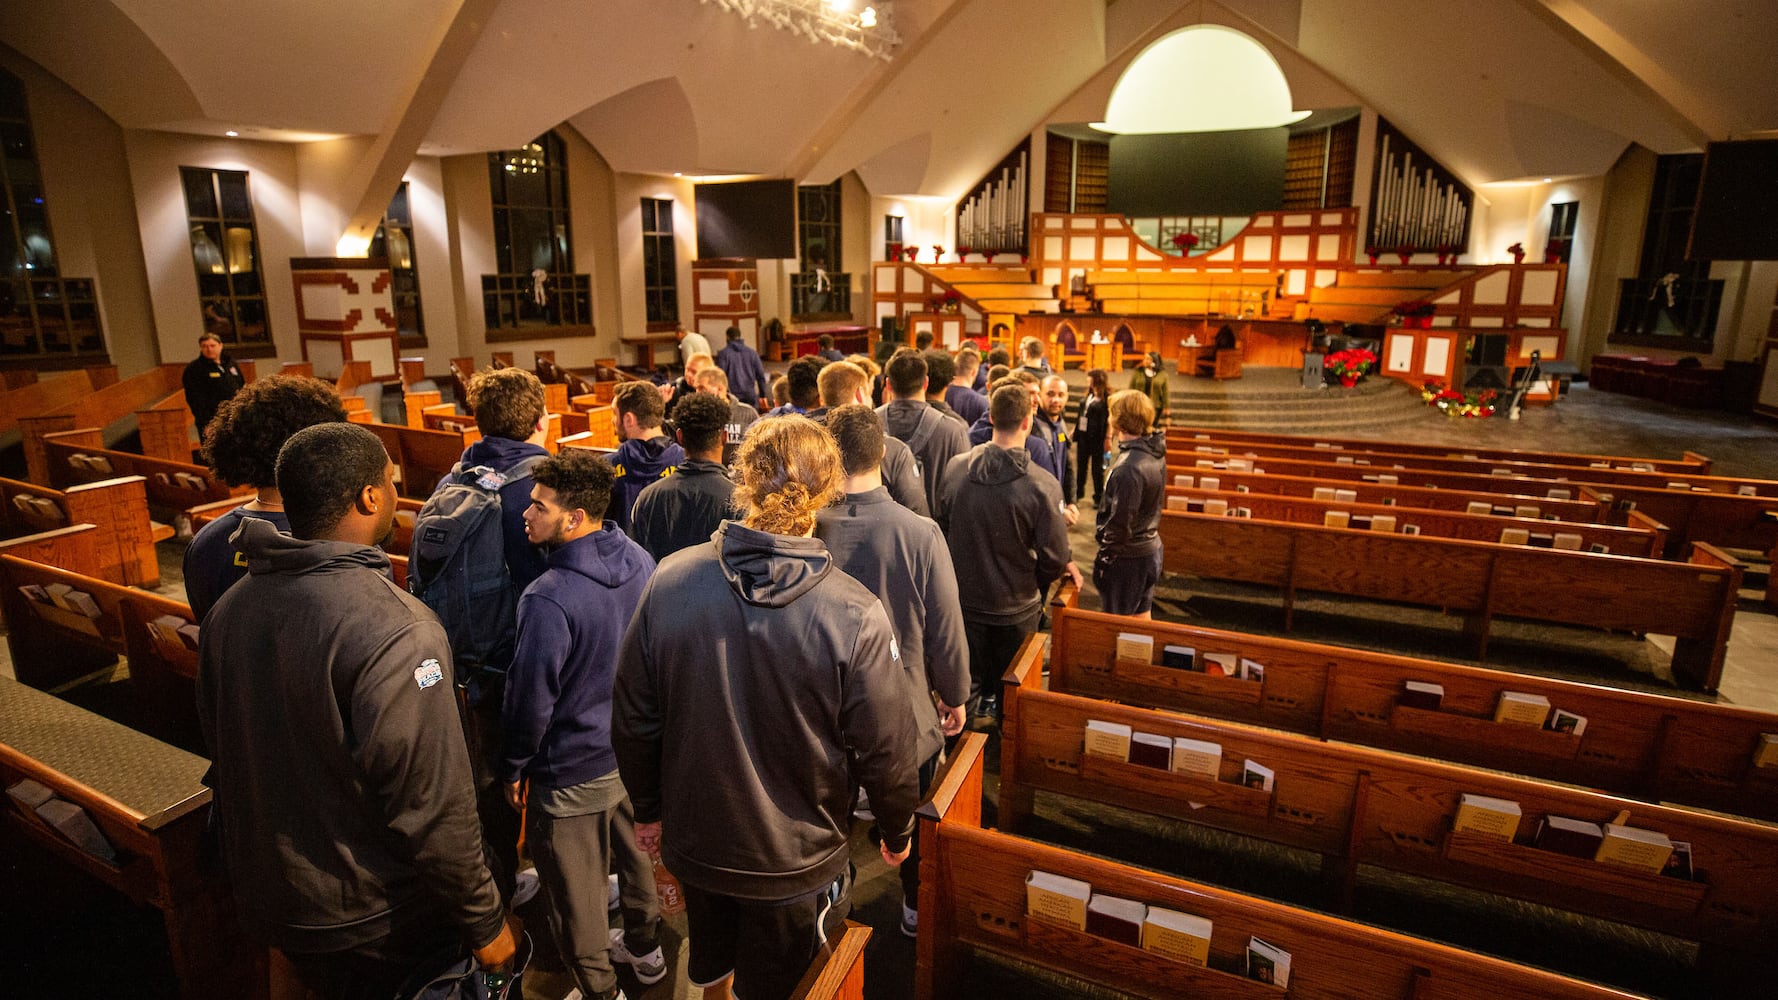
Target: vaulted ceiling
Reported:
[(1497, 89)]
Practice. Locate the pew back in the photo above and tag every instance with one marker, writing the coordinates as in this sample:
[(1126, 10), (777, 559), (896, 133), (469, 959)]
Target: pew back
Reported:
[(119, 507), (1693, 462), (78, 456)]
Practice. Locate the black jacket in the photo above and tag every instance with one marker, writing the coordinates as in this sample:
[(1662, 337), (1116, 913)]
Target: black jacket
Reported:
[(342, 779), (683, 509), (1128, 521), (1056, 437), (1003, 519), (902, 558), (1097, 423), (756, 685), (901, 474), (208, 384), (934, 442)]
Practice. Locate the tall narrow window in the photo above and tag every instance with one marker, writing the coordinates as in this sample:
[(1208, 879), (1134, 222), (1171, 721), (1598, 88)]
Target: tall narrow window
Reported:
[(892, 230), (1563, 215), (533, 252), (225, 252), (42, 313), (660, 263), (395, 240), (822, 290)]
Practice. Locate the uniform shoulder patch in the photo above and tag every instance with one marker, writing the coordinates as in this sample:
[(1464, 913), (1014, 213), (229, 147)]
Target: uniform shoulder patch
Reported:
[(894, 651), (428, 673)]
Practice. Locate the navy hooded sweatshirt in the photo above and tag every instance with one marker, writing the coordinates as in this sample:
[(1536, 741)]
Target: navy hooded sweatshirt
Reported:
[(524, 561), (639, 462), (556, 720)]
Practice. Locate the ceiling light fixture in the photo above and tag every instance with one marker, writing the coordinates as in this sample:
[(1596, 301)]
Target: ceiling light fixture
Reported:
[(231, 133), (830, 21), (1205, 78)]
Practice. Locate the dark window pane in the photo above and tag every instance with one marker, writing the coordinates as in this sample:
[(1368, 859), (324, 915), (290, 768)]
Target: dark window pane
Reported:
[(235, 204), (200, 199), (398, 209), (250, 321)]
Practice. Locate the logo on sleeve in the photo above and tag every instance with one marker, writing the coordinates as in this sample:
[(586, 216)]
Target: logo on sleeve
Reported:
[(894, 651), (428, 673)]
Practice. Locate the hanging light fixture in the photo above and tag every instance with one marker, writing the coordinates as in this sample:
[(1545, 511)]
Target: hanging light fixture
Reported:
[(1205, 78), (832, 21)]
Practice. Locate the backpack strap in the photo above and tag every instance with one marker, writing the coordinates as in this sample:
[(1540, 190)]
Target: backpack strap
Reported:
[(929, 421)]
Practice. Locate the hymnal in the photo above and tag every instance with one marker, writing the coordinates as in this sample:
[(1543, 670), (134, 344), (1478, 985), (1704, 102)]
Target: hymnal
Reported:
[(29, 794), (1185, 481), (1385, 479), (1422, 694), (1179, 657), (1216, 507), (1514, 536), (1116, 919), (1343, 460), (1346, 496), (1150, 750), (1253, 670), (1053, 897), (1478, 507), (1256, 776), (1197, 757), (1632, 847), (1567, 540), (1135, 646), (1336, 519), (1525, 510), (1178, 503), (1387, 501), (1243, 488), (1410, 529), (1573, 837), (1239, 465), (1765, 752), (1210, 483), (1568, 722), (1677, 485), (1220, 664), (1268, 963), (1556, 494), (1108, 739), (1487, 817), (1747, 490), (1324, 493), (1383, 522), (72, 822), (1599, 548), (1522, 709), (1183, 937), (1680, 864), (1502, 473), (1242, 512)]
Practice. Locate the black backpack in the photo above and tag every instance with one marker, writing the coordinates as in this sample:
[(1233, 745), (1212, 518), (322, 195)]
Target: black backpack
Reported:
[(457, 563)]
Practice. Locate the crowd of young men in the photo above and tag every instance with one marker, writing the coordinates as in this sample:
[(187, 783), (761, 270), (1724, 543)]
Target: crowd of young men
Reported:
[(957, 541)]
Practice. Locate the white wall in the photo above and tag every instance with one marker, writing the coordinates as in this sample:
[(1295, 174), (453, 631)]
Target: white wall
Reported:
[(92, 215), (154, 162)]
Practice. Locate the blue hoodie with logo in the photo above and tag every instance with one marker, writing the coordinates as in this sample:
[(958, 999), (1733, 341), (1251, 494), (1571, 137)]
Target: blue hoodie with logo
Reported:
[(638, 462), (556, 719)]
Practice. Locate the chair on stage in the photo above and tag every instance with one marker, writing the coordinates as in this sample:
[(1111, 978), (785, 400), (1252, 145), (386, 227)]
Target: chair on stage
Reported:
[(1065, 347), (1225, 362), (1123, 341)]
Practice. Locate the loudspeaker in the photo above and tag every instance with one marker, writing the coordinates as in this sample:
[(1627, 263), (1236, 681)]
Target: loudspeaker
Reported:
[(1484, 377), (1313, 372), (1489, 349)]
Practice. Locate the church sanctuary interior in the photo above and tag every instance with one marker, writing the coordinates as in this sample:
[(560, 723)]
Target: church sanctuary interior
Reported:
[(1462, 676)]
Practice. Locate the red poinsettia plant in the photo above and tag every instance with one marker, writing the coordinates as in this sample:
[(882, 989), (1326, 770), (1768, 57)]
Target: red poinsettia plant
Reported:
[(1518, 252), (938, 253), (892, 251), (1453, 403), (962, 252), (952, 299), (1352, 363), (1415, 307), (912, 252), (1184, 242), (1405, 252)]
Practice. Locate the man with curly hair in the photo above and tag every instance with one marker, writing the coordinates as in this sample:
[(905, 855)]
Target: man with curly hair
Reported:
[(241, 446)]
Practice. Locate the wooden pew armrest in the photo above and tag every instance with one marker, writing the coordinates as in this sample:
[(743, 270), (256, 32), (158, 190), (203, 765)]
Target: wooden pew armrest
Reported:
[(956, 795)]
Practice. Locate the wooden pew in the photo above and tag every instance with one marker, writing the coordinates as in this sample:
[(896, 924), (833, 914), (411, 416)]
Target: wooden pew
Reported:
[(166, 429), (1358, 806), (98, 409), (148, 800), (53, 645), (1586, 510), (838, 975), (972, 897), (1692, 601), (119, 507), (397, 548), (1692, 464), (1643, 537), (422, 457), (1722, 519), (75, 547), (78, 456), (44, 396), (1650, 746), (1382, 456)]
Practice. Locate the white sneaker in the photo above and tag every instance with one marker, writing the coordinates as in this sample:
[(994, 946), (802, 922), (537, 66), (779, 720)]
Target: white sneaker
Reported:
[(910, 921), (613, 902), (525, 886), (650, 968), (861, 808)]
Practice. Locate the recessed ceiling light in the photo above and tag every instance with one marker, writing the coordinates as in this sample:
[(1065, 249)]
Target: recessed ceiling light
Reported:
[(1546, 180), (678, 174), (231, 133)]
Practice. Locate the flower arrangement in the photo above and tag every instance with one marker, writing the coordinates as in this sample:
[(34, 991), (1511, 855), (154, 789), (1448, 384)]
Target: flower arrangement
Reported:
[(952, 300), (1184, 242), (1446, 251), (1452, 403), (892, 251), (938, 253), (912, 252), (962, 252), (1518, 252), (1350, 365), (1415, 310), (1373, 252)]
